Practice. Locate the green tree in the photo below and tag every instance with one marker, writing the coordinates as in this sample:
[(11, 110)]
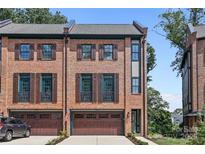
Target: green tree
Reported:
[(33, 15), (151, 61), (174, 24), (159, 118)]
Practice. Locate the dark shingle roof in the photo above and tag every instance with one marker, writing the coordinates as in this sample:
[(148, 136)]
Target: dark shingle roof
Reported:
[(78, 29), (32, 29), (104, 29)]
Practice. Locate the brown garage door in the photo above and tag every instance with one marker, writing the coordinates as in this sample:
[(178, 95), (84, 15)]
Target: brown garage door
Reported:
[(97, 123), (42, 123)]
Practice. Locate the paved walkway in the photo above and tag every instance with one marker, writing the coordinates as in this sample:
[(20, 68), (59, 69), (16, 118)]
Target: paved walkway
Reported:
[(146, 140), (96, 140), (32, 140)]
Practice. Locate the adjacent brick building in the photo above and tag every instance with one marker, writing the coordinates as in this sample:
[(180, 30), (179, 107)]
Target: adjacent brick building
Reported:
[(89, 79), (193, 75)]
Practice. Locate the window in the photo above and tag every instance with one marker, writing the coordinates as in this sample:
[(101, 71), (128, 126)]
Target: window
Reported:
[(102, 116), (25, 52), (46, 87), (31, 116), (79, 116), (135, 52), (91, 116), (115, 116), (24, 87), (47, 52), (108, 52), (86, 51), (45, 116), (108, 88), (86, 88), (135, 85)]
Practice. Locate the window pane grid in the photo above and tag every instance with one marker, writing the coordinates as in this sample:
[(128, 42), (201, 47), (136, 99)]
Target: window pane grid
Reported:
[(24, 88), (86, 51), (135, 52), (47, 51), (46, 88), (135, 85), (108, 88), (25, 52), (108, 52), (86, 88)]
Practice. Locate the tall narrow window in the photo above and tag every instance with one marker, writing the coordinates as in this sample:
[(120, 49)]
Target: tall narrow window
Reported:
[(86, 51), (47, 52), (108, 88), (24, 87), (25, 52), (135, 85), (46, 87), (86, 88), (135, 52), (108, 52)]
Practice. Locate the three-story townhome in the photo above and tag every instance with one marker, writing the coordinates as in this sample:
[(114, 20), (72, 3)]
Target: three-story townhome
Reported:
[(89, 79), (193, 76)]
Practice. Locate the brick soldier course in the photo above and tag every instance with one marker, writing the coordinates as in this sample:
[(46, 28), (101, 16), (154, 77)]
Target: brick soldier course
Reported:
[(67, 109)]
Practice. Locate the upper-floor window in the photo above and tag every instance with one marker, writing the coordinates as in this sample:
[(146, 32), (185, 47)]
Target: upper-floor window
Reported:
[(108, 52), (135, 52), (135, 85), (24, 87), (46, 87), (25, 52), (47, 51), (86, 51), (86, 88), (108, 88)]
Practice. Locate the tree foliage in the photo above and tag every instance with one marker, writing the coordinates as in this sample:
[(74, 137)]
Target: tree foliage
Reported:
[(151, 61), (159, 118), (33, 15), (174, 23)]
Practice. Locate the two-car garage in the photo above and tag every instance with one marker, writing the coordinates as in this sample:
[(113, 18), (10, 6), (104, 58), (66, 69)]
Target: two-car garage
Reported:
[(97, 123)]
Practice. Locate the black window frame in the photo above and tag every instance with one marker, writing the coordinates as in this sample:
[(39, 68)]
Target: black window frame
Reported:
[(105, 94), (24, 92), (84, 52), (88, 92), (43, 98), (51, 50), (20, 52), (104, 51), (132, 85), (135, 52)]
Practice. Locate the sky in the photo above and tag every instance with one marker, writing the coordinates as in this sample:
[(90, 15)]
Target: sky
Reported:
[(164, 79)]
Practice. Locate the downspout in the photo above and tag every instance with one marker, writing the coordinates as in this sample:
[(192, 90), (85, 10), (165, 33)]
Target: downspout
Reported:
[(65, 71), (144, 88)]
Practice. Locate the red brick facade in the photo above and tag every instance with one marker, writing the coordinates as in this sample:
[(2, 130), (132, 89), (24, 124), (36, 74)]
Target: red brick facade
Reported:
[(121, 66), (196, 48)]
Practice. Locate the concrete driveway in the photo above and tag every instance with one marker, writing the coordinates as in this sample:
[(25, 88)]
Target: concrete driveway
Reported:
[(32, 140), (96, 140)]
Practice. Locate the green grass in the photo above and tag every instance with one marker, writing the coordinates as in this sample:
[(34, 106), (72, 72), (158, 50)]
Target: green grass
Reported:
[(170, 141)]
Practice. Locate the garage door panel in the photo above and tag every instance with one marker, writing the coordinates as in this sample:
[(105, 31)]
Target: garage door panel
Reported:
[(97, 126), (42, 123)]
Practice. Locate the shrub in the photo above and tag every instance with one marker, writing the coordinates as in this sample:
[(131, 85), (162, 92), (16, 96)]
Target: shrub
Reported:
[(134, 140), (62, 135)]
